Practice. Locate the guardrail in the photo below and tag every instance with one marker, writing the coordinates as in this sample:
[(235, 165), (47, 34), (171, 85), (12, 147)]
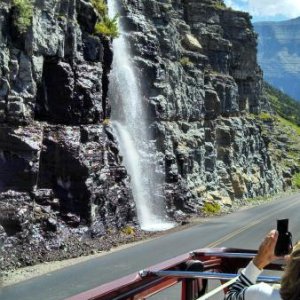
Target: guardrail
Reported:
[(192, 271)]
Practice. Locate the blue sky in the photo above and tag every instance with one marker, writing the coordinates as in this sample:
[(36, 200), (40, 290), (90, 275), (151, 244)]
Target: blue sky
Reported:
[(268, 10)]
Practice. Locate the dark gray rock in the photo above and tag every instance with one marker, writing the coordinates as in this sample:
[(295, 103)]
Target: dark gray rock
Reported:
[(60, 169), (19, 157), (200, 76)]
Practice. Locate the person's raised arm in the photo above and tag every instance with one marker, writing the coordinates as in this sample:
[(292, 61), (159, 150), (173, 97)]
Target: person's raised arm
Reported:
[(247, 279), (266, 250)]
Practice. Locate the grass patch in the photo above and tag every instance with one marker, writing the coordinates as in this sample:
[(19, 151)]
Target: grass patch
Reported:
[(185, 61), (265, 116), (108, 27), (100, 6), (128, 230), (296, 181), (290, 124), (23, 15), (105, 25), (294, 155), (219, 5), (211, 208)]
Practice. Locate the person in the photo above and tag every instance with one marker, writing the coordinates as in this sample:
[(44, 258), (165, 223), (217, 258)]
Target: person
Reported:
[(245, 288)]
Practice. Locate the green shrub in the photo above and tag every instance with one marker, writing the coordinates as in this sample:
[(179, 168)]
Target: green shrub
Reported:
[(296, 180), (219, 5), (185, 61), (211, 208), (24, 13), (101, 7), (128, 230), (290, 124), (106, 121), (265, 116), (107, 27)]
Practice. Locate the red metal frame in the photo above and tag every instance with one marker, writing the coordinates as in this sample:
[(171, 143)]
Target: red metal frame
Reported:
[(136, 287)]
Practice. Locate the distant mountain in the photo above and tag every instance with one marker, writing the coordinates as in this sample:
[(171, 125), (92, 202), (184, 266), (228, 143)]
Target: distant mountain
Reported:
[(279, 54)]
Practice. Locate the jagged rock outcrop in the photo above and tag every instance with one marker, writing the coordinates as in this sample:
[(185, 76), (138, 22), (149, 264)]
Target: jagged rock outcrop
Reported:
[(61, 175), (201, 77), (279, 54), (53, 71)]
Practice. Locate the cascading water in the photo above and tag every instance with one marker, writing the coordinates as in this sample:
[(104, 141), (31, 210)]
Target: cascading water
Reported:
[(129, 122)]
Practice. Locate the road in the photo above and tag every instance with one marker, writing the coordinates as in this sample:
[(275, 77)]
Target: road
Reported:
[(243, 229)]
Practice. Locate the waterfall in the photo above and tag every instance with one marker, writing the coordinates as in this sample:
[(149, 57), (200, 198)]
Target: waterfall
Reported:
[(129, 122)]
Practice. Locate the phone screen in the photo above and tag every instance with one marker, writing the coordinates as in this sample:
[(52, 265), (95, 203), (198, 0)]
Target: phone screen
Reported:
[(283, 225), (284, 242)]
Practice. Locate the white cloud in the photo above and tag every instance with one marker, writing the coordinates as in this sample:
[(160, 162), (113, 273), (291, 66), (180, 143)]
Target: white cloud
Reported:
[(268, 8), (237, 4), (288, 8)]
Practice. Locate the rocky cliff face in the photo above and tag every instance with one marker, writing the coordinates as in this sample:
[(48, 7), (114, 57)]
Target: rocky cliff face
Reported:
[(198, 60), (279, 54), (61, 176)]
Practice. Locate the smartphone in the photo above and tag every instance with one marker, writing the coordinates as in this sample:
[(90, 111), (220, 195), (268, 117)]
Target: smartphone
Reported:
[(284, 242)]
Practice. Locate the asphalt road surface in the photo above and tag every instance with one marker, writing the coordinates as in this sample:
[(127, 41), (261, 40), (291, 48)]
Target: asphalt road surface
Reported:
[(242, 229)]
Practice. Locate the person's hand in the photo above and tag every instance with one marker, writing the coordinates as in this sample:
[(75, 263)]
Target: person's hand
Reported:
[(265, 254)]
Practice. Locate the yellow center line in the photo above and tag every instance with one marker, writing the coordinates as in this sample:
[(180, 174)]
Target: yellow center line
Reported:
[(244, 228)]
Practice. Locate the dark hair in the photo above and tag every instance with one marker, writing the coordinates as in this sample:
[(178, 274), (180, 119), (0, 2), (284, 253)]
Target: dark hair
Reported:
[(290, 284)]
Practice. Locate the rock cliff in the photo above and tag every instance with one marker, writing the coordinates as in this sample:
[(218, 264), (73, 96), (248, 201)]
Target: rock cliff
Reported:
[(62, 182), (61, 176), (201, 79)]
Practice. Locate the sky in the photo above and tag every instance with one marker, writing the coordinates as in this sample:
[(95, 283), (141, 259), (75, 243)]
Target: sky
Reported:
[(267, 10)]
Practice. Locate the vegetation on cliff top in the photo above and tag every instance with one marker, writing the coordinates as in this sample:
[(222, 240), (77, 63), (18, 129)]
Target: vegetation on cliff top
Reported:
[(219, 4), (23, 14), (105, 25)]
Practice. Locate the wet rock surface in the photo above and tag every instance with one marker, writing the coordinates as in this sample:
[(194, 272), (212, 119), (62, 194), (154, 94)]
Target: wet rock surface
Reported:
[(32, 233), (66, 188), (63, 189)]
